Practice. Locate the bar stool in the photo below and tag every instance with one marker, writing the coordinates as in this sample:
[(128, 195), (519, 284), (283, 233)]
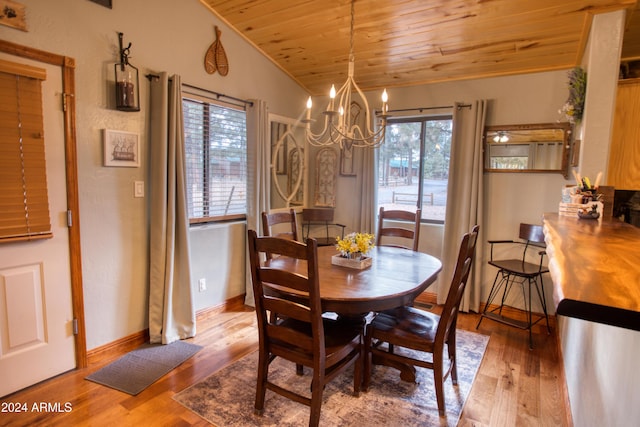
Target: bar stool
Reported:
[(518, 272)]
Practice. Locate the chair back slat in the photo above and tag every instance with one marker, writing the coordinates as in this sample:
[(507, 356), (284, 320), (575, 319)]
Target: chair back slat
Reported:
[(289, 336), (398, 232), (294, 310), (294, 281)]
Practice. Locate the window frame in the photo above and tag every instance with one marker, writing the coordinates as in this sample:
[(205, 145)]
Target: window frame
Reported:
[(206, 170), (422, 120)]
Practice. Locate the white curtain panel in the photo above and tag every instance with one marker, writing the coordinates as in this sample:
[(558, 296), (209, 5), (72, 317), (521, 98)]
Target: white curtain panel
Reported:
[(258, 176), (171, 309), (464, 200), (366, 188)]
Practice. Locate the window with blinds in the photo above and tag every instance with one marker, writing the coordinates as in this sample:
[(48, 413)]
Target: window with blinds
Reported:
[(216, 160), (24, 203)]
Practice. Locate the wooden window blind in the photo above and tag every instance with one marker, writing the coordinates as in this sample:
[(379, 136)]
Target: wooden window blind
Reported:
[(24, 203)]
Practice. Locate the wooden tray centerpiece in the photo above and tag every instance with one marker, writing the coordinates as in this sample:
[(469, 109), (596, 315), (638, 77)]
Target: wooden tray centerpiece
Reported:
[(358, 263), (353, 249)]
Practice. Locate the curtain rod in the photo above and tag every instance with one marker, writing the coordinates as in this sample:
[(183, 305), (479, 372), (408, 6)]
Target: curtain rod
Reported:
[(217, 94), (421, 109)]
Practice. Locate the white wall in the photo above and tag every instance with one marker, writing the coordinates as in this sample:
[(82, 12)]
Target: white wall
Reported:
[(218, 256), (166, 36)]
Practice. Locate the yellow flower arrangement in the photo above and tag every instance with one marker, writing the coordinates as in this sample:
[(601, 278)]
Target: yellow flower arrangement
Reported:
[(355, 244)]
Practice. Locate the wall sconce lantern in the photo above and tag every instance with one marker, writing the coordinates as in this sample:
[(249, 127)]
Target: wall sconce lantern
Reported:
[(127, 85)]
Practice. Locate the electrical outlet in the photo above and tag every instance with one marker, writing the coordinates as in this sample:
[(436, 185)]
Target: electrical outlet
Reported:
[(202, 284)]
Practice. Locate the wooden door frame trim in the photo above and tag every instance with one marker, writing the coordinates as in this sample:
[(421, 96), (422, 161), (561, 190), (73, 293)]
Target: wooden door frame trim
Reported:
[(67, 66)]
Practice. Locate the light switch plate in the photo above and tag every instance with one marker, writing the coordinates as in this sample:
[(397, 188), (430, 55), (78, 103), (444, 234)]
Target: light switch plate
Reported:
[(138, 189)]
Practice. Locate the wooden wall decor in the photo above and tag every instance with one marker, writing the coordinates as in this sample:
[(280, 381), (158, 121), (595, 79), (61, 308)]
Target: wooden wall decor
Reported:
[(216, 58), (12, 14), (326, 177)]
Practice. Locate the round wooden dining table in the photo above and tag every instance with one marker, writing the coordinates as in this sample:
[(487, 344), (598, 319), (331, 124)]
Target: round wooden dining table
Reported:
[(395, 278)]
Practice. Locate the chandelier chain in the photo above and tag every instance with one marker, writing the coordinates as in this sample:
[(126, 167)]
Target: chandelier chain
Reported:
[(351, 29)]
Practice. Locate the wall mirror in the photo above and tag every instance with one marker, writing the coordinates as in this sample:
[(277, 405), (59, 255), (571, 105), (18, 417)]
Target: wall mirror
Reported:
[(288, 163), (541, 148)]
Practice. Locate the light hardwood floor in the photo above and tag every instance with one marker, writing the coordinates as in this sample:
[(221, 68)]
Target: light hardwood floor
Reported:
[(515, 386)]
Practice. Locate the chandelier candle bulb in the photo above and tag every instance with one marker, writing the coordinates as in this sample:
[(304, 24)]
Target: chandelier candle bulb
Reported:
[(309, 105), (385, 98), (332, 96)]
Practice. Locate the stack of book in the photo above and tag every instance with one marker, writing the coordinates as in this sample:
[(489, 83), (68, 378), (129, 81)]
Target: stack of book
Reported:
[(572, 209)]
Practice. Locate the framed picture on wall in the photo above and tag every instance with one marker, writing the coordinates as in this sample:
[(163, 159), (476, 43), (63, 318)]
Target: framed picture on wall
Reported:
[(121, 149)]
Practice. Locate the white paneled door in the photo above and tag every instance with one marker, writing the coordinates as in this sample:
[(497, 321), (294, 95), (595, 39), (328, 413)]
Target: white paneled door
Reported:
[(36, 317)]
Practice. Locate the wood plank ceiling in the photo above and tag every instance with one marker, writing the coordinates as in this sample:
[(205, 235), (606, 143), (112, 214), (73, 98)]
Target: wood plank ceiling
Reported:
[(410, 42)]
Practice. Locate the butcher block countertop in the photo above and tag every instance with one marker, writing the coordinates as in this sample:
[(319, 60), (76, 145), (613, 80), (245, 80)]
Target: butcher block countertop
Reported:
[(595, 268)]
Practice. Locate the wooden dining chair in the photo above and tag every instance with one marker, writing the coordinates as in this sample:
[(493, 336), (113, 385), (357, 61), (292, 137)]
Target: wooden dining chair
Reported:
[(395, 231), (269, 220), (272, 225), (412, 328), (301, 335)]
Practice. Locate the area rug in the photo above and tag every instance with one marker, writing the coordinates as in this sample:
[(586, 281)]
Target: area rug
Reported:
[(226, 398), (143, 366)]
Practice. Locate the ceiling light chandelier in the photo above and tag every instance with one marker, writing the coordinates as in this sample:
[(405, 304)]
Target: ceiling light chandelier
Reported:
[(342, 124)]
